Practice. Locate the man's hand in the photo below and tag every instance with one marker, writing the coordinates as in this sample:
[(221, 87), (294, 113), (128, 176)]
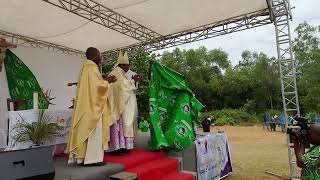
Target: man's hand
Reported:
[(111, 79), (71, 84), (295, 138), (137, 78), (298, 144), (299, 149)]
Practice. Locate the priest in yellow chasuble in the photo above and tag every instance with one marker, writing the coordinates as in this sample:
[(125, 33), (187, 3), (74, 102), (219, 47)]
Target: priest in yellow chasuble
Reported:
[(123, 104), (89, 132)]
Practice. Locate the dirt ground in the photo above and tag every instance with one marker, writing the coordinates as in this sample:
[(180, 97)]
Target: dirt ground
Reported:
[(255, 151)]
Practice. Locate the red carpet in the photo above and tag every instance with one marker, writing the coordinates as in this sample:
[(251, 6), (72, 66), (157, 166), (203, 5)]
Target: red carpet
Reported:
[(150, 165), (178, 176), (134, 158)]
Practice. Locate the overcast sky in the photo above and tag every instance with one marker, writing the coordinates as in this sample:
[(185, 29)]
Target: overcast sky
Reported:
[(261, 38)]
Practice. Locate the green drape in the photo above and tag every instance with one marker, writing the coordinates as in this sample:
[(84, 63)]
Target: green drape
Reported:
[(22, 83), (174, 111)]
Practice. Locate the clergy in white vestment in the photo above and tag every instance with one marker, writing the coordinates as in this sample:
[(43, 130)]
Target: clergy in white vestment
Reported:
[(123, 103)]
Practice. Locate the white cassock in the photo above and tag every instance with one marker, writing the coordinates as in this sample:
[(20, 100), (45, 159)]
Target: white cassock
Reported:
[(130, 75)]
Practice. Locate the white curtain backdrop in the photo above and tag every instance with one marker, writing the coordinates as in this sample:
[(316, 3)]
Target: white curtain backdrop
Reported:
[(53, 71)]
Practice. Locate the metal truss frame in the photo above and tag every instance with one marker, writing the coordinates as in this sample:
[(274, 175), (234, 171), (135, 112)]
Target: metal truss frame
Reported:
[(236, 24), (281, 14), (150, 40), (31, 42), (104, 16)]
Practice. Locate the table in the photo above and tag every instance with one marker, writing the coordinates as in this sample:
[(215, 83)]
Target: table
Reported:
[(213, 156), (62, 116)]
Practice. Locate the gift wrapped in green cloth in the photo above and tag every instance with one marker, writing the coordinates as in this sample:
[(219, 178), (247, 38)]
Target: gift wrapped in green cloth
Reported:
[(174, 111)]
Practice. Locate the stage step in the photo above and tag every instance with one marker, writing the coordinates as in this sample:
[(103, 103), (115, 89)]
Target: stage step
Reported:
[(178, 176), (156, 169), (134, 158), (180, 159), (151, 165), (194, 174)]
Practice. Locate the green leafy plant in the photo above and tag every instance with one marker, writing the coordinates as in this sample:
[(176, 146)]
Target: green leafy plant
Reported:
[(225, 121), (232, 117), (312, 116), (144, 126), (39, 132), (274, 112)]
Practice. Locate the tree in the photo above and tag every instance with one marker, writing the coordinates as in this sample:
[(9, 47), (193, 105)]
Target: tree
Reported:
[(307, 53), (266, 76), (200, 67), (253, 84)]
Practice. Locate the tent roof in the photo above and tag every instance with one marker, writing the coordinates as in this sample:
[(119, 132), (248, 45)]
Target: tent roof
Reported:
[(41, 20)]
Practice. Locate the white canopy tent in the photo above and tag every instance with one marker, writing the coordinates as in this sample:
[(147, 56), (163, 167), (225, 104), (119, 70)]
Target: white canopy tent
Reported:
[(70, 26), (113, 24)]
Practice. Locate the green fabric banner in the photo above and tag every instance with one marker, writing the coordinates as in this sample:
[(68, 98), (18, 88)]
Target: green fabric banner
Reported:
[(22, 83), (174, 111)]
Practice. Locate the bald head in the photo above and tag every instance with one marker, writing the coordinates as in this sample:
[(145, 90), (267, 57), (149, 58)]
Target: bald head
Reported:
[(315, 128), (314, 134), (93, 54)]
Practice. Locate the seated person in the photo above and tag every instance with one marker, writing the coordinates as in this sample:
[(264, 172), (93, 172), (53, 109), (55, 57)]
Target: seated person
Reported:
[(309, 161)]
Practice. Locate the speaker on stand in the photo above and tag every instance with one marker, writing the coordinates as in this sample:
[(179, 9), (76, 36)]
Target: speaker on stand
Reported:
[(27, 164)]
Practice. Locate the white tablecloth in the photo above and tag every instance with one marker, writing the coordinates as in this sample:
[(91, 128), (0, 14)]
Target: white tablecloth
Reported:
[(62, 116)]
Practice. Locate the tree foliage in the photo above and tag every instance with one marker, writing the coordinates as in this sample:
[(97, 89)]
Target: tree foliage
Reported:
[(307, 53), (200, 67), (253, 85)]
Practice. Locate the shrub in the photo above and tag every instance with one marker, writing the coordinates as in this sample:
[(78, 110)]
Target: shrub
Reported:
[(232, 117), (312, 117), (274, 112), (225, 121)]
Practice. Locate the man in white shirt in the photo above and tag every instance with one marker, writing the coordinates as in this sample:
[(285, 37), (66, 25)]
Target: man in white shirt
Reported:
[(134, 77)]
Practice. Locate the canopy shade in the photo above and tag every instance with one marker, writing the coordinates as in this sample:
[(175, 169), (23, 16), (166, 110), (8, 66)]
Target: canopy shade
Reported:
[(64, 26)]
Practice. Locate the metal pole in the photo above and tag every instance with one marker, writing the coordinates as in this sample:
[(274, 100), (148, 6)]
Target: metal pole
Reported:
[(281, 14)]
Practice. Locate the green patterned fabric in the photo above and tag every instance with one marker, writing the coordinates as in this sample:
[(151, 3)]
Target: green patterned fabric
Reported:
[(174, 110), (311, 160), (22, 83)]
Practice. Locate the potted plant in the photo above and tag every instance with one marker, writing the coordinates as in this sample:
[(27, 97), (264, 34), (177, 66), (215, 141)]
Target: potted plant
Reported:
[(39, 132)]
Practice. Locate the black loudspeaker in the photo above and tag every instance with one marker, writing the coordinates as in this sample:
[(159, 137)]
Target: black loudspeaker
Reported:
[(27, 164)]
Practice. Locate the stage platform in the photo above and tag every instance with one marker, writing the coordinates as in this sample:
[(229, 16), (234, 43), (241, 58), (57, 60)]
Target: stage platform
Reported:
[(66, 172), (140, 161), (146, 164), (74, 172)]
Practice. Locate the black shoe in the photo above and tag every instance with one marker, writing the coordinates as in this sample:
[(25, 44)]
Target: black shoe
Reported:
[(115, 153), (124, 151), (95, 164), (81, 164)]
